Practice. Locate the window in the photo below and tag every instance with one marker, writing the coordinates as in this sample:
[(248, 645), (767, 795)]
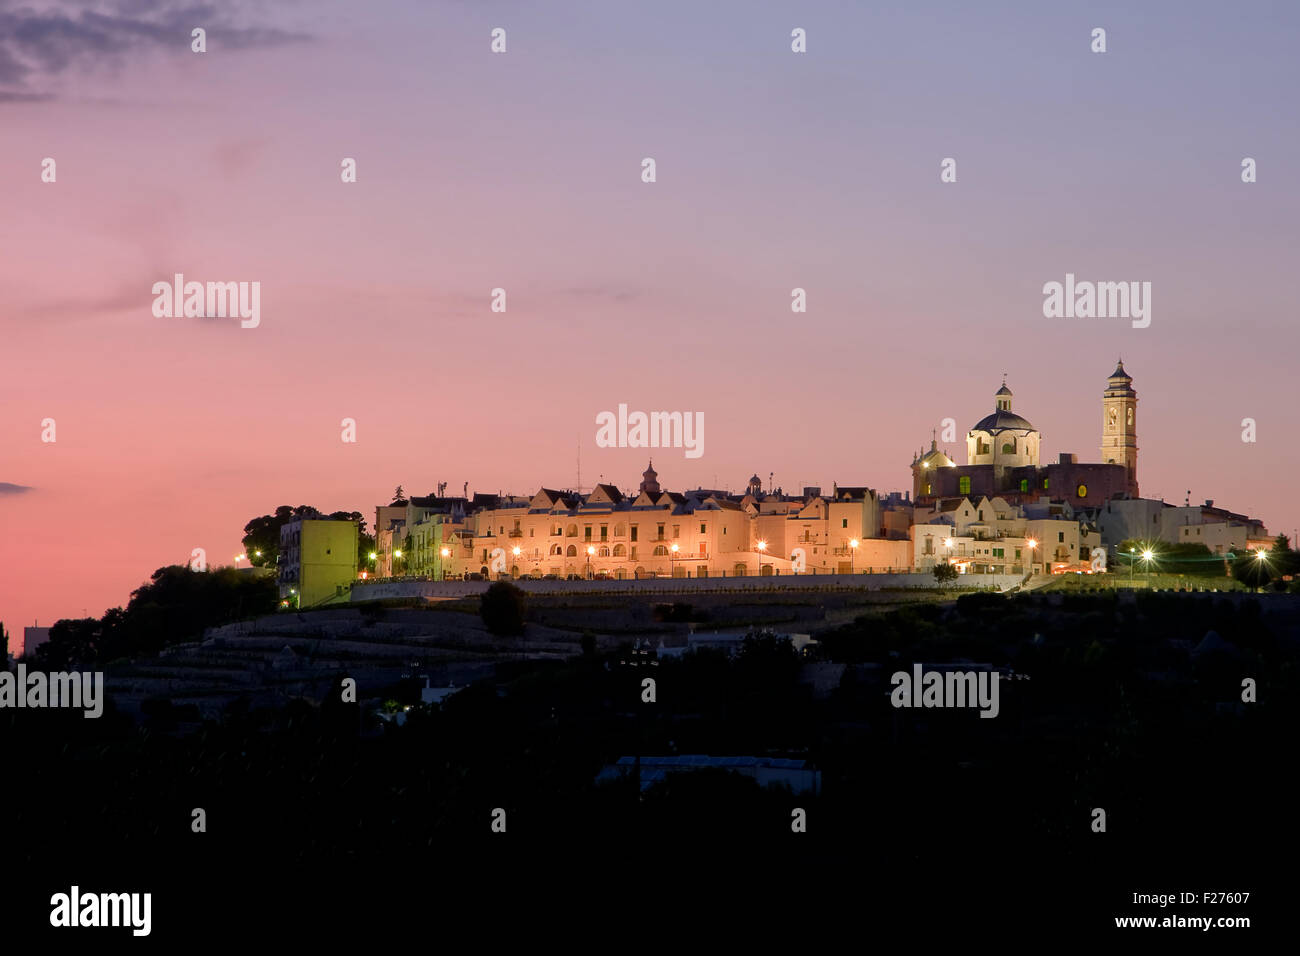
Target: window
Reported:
[(620, 531), (963, 485), (573, 531), (929, 544), (677, 531), (555, 549), (981, 514), (1081, 491), (703, 528), (572, 552), (1045, 480), (661, 532), (586, 533), (1009, 448), (844, 522), (660, 551), (1017, 554), (604, 532), (1024, 484), (999, 552), (633, 532), (1060, 537), (619, 551), (603, 552), (704, 548), (927, 489)]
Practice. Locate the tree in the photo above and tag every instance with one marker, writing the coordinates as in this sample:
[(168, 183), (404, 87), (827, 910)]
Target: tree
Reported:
[(502, 608), (944, 572), (263, 535), (399, 496), (4, 645), (175, 606)]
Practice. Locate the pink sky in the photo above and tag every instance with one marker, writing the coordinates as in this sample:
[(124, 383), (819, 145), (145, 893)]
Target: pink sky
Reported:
[(522, 171)]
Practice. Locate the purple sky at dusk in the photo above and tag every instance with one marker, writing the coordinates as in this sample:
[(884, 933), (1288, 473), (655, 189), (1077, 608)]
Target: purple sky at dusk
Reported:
[(522, 171)]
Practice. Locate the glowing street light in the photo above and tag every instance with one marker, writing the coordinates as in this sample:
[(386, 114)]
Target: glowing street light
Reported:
[(853, 556), (762, 549), (1031, 544), (1147, 556)]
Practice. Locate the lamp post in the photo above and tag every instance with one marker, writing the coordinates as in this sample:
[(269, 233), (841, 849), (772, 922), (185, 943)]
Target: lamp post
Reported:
[(762, 549), (516, 551), (446, 553), (1032, 544), (396, 555), (1147, 555), (947, 543), (672, 560), (592, 550), (853, 556)]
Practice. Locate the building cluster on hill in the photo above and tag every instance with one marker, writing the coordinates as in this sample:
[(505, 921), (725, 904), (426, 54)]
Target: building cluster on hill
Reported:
[(1002, 512)]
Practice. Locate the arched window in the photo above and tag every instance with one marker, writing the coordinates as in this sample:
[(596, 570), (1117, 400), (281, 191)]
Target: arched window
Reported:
[(556, 549), (572, 552), (603, 552), (573, 531), (1081, 491), (619, 550), (660, 551)]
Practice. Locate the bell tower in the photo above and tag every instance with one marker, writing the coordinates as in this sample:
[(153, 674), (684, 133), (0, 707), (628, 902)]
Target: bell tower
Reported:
[(1119, 425)]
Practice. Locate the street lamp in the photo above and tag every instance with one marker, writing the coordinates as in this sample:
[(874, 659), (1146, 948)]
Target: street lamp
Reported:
[(762, 547), (592, 550), (672, 560), (516, 552), (853, 556), (1031, 544), (1147, 555), (446, 553)]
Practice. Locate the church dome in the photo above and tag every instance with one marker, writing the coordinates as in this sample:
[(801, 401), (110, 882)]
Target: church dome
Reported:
[(1002, 420)]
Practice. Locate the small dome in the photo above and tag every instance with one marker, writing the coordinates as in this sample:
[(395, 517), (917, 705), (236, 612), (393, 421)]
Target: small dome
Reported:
[(1120, 374), (934, 458), (1003, 390)]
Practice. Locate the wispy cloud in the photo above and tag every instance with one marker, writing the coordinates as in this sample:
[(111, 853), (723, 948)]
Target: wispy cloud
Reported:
[(38, 45), (8, 488)]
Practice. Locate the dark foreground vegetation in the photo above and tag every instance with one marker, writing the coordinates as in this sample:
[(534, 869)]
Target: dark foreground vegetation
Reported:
[(1121, 703)]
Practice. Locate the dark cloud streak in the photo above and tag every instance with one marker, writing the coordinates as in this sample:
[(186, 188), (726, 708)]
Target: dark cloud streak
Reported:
[(38, 46)]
